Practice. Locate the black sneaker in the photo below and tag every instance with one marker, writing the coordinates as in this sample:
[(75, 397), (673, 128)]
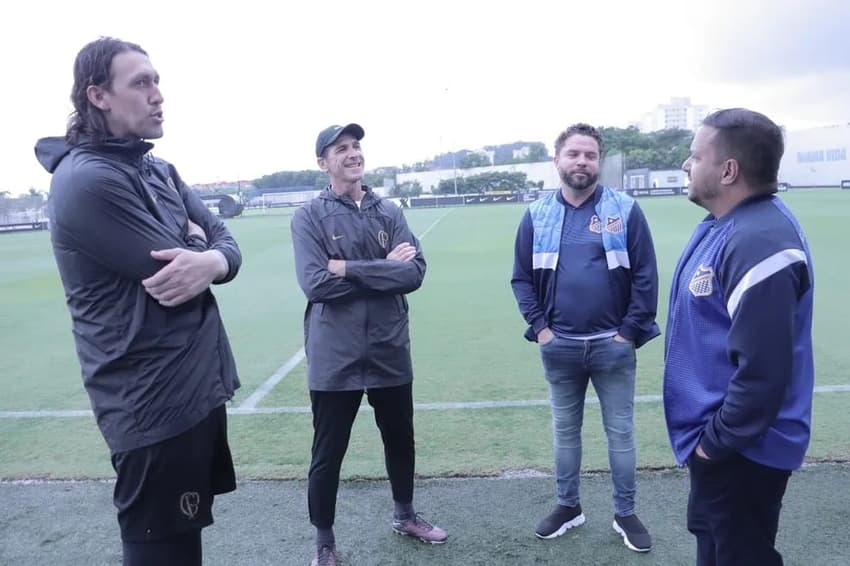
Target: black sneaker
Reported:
[(558, 521), (634, 533)]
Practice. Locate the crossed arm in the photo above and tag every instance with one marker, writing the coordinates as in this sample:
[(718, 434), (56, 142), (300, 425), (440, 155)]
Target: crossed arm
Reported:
[(324, 279), (188, 273), (110, 222)]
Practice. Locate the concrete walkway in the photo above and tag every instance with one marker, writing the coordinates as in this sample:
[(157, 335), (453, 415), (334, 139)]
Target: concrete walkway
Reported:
[(490, 521)]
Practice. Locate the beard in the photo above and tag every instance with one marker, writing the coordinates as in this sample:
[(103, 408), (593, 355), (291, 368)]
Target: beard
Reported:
[(574, 182), (703, 195)]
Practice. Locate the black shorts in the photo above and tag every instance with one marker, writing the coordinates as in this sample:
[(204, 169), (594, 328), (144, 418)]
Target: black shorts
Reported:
[(167, 488)]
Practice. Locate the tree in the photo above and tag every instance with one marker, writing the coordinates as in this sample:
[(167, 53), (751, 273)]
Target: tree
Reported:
[(642, 159), (673, 147), (406, 189), (483, 183), (373, 179), (313, 180), (376, 177), (473, 159), (664, 149), (537, 152), (417, 167), (285, 179), (321, 181)]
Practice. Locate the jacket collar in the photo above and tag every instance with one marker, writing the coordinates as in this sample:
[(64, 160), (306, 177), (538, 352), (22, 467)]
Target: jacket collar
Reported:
[(130, 150), (369, 197), (594, 199)]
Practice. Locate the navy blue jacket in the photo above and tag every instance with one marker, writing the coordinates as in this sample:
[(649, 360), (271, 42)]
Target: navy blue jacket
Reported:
[(633, 278), (738, 362)]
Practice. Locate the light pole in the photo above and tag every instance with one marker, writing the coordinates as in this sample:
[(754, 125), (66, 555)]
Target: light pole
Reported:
[(454, 171), (454, 164)]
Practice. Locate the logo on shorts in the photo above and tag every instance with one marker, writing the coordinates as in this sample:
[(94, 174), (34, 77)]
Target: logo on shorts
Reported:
[(614, 225), (383, 239), (595, 225), (701, 283), (189, 503)]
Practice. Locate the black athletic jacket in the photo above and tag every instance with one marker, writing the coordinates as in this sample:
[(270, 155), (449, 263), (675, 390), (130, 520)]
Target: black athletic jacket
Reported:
[(355, 327), (151, 372)]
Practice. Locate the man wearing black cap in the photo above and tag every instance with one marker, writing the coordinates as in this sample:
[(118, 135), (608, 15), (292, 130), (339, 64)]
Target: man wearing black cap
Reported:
[(356, 259)]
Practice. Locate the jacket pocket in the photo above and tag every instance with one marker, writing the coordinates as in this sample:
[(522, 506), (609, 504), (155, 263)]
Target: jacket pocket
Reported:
[(401, 304), (388, 322)]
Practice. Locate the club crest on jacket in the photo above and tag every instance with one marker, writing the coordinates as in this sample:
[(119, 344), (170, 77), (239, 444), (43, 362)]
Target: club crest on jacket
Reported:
[(614, 225), (701, 284)]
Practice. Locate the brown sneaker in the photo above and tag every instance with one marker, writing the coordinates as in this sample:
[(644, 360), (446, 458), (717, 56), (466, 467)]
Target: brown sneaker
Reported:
[(325, 556), (419, 528)]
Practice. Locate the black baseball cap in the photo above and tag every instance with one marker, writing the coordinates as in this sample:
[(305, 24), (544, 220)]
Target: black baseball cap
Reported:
[(331, 133)]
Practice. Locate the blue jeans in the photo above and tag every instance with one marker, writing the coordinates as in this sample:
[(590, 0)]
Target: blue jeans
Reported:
[(610, 365)]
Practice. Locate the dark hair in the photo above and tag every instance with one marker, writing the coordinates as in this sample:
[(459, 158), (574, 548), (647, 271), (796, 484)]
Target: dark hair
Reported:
[(751, 139), (580, 129), (93, 67)]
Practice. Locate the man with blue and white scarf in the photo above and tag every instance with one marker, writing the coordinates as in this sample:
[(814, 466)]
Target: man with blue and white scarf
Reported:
[(586, 281)]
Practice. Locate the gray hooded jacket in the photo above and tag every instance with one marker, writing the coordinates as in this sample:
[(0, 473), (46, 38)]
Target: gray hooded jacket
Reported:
[(151, 372), (355, 327)]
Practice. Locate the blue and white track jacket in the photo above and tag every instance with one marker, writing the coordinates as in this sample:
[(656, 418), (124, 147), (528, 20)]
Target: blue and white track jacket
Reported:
[(739, 370)]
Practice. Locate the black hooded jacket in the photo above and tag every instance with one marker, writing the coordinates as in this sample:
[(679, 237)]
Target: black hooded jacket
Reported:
[(151, 372)]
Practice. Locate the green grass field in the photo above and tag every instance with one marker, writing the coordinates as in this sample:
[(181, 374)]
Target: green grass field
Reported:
[(467, 347)]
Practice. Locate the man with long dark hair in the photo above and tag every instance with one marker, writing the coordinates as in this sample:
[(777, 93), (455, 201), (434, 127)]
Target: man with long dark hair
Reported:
[(137, 251)]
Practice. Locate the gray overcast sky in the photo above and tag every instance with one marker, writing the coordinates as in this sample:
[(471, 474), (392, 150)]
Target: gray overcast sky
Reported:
[(248, 85)]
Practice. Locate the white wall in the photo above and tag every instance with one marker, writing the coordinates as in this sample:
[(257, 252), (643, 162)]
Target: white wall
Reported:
[(816, 157), (666, 178)]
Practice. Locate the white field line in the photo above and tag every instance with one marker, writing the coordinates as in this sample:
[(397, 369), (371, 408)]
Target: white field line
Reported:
[(254, 399), (434, 223), (270, 383), (444, 406)]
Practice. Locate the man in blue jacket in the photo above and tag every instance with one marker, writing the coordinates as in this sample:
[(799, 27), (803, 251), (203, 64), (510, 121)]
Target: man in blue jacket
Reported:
[(739, 371), (356, 259), (586, 281), (137, 251)]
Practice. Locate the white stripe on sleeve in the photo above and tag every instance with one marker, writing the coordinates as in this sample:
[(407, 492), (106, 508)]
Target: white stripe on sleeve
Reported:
[(761, 271)]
